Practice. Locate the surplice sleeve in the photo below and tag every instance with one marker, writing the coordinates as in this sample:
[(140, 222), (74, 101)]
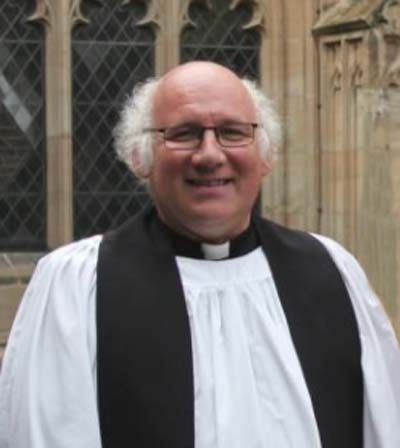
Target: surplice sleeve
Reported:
[(380, 353), (48, 396)]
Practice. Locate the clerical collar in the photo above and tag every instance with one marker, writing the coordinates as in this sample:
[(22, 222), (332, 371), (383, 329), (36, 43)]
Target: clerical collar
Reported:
[(240, 245)]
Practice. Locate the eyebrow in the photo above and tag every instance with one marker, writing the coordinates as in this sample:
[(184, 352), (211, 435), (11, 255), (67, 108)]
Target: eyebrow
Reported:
[(224, 122)]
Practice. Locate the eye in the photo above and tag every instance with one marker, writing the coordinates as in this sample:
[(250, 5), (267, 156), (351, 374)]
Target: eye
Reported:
[(182, 133), (234, 133)]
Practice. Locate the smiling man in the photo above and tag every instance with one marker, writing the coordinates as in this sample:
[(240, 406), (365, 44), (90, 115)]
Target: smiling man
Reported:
[(198, 324), (206, 179)]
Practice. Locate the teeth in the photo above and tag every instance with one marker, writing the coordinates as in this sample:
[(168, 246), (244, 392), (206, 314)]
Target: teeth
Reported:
[(209, 183)]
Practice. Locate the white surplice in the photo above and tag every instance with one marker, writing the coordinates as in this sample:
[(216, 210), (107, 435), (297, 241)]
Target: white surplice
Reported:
[(249, 388)]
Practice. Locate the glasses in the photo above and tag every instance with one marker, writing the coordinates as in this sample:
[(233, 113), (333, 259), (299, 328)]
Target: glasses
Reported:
[(190, 137)]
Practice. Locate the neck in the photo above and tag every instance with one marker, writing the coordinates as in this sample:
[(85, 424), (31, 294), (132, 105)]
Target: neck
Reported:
[(210, 232), (195, 246)]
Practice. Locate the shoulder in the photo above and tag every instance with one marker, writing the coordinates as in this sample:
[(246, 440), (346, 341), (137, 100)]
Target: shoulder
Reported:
[(59, 295), (77, 255), (66, 272), (345, 260), (306, 240), (316, 249), (295, 242)]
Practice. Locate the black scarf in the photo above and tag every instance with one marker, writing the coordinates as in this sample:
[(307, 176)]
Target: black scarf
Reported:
[(144, 360)]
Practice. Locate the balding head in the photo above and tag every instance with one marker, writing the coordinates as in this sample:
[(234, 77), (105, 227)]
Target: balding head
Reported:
[(134, 146), (199, 76), (188, 84)]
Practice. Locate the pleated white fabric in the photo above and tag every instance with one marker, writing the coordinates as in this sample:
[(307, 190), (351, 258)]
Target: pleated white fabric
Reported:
[(380, 354), (249, 387), (48, 396)]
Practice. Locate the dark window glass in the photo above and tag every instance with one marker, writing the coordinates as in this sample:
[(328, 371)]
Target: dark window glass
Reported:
[(218, 35), (22, 129), (110, 55)]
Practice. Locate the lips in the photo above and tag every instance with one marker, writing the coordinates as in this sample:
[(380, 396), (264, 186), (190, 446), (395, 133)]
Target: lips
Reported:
[(208, 182)]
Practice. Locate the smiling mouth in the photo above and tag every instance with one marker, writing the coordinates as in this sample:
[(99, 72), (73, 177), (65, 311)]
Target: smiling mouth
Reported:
[(208, 183)]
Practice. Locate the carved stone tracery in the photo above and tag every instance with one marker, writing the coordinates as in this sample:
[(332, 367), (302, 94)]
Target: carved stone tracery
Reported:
[(357, 75), (255, 21), (391, 16), (258, 8), (43, 12), (336, 80), (390, 44)]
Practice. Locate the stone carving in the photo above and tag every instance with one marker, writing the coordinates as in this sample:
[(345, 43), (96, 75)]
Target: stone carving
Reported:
[(156, 14), (357, 76), (390, 31), (327, 4), (256, 20), (152, 15), (336, 79), (43, 12), (391, 16), (75, 12), (392, 76)]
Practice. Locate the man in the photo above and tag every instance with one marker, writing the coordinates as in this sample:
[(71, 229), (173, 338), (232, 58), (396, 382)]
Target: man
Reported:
[(197, 324)]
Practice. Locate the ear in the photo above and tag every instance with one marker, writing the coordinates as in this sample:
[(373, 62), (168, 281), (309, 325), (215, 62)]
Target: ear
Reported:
[(137, 166), (266, 163)]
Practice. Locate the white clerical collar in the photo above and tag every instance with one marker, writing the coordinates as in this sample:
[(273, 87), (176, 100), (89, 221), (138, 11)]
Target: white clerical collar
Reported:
[(242, 244), (215, 251)]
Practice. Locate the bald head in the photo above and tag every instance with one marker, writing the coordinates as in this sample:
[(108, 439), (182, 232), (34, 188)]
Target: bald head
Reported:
[(190, 83), (201, 74), (199, 70)]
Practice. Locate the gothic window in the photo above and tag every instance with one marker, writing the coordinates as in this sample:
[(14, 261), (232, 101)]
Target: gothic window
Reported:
[(22, 130), (217, 34), (110, 55)]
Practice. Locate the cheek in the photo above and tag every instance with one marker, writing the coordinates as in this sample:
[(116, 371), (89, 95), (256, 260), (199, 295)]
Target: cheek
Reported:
[(169, 162), (250, 165), (166, 175)]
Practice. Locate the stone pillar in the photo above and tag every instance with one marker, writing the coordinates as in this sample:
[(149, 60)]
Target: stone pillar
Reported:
[(58, 17), (273, 79), (288, 62), (168, 17)]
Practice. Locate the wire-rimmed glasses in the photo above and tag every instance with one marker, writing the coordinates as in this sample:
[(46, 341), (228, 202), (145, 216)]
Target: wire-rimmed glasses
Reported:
[(189, 137)]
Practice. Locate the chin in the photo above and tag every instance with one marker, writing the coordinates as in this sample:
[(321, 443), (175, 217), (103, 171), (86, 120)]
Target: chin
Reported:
[(211, 215), (211, 221)]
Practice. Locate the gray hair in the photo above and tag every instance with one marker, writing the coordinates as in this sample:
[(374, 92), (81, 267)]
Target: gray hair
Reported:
[(136, 115)]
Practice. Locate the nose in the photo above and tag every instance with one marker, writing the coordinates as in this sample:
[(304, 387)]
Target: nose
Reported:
[(209, 154)]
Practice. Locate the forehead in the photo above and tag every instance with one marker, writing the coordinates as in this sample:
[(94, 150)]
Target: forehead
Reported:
[(205, 96)]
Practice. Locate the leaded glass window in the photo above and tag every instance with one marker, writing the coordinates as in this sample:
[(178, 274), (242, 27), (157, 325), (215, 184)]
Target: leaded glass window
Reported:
[(218, 35), (22, 130), (110, 55)]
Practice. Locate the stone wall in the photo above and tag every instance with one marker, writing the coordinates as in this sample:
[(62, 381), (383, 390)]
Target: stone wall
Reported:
[(359, 117), (378, 143)]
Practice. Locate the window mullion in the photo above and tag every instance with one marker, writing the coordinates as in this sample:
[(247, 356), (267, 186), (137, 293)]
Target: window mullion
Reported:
[(169, 16), (58, 16)]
